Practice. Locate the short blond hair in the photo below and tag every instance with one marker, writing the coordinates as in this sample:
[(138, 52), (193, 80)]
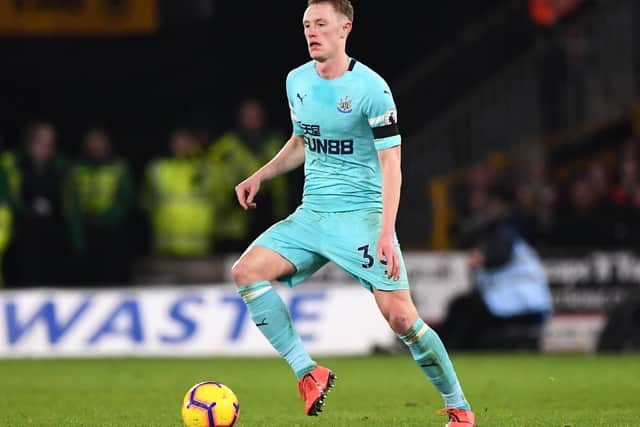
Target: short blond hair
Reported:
[(341, 6)]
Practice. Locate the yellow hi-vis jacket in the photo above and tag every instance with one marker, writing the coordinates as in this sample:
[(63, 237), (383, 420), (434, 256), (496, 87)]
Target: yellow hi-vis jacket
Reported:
[(100, 187), (230, 161), (179, 207)]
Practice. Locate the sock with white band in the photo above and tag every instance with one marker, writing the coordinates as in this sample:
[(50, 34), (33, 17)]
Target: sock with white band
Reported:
[(271, 315), (429, 353)]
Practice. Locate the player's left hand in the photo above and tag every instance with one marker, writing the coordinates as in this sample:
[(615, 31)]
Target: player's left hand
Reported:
[(387, 254)]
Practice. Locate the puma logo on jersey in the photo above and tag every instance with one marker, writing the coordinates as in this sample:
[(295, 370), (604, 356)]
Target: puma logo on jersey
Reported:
[(301, 97)]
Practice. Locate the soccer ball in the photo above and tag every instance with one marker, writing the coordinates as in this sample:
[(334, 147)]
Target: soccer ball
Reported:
[(210, 404)]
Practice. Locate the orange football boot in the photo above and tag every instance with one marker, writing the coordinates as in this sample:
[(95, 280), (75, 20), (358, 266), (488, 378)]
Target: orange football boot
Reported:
[(314, 387), (458, 417)]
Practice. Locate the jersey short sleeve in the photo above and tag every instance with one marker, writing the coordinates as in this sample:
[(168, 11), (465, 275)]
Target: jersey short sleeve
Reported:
[(292, 110), (380, 110)]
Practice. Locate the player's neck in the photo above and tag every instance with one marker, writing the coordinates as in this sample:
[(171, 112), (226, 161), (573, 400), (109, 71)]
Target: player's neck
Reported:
[(333, 68)]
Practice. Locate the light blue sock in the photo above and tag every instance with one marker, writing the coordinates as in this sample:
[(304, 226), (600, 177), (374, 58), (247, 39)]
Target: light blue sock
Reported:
[(429, 352), (270, 314)]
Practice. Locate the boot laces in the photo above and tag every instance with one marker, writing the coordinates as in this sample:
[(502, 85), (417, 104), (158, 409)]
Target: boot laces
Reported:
[(307, 385)]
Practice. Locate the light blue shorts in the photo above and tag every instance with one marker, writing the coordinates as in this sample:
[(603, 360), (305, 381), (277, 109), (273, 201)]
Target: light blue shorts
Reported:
[(310, 239)]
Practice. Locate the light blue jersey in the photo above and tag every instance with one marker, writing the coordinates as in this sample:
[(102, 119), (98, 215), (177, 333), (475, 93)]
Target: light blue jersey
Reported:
[(344, 122)]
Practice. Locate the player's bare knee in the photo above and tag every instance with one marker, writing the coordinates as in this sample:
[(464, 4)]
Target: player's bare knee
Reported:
[(399, 321), (242, 274)]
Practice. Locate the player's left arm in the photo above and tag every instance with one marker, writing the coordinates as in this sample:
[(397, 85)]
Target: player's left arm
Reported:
[(380, 111), (391, 183)]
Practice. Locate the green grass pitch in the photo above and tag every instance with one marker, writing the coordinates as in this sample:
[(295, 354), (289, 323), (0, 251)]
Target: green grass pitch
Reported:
[(517, 390)]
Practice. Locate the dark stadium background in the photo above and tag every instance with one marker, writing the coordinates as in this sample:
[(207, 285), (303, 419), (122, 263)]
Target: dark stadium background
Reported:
[(202, 61), (198, 66), (195, 70)]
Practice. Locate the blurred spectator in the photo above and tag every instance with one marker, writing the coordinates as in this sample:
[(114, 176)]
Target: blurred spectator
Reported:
[(625, 198), (472, 194), (232, 157), (103, 186), (8, 163), (44, 221), (630, 220), (600, 182), (536, 196), (511, 298), (6, 214), (581, 219), (627, 179), (176, 200)]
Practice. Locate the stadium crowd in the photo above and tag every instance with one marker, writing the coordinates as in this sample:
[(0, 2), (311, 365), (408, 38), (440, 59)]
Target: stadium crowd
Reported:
[(67, 220), (591, 202)]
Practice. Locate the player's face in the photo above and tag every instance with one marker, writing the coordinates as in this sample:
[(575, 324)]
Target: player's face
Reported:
[(325, 30)]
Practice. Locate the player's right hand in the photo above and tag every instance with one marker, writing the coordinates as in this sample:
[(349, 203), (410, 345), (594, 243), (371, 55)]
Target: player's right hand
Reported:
[(247, 190)]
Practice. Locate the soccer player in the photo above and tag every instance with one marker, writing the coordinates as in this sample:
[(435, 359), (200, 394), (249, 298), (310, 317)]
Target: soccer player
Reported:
[(345, 132)]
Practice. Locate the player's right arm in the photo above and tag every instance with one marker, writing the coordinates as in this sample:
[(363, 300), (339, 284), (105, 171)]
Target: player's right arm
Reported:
[(288, 158)]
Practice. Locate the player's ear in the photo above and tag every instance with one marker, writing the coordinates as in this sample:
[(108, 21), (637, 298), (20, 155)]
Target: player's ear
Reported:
[(346, 29)]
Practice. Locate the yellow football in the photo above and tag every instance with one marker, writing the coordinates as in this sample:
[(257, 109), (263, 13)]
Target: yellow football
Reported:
[(210, 404)]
